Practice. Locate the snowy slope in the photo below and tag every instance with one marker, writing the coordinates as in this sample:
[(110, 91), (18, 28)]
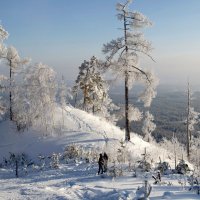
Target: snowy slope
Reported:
[(75, 127), (78, 181)]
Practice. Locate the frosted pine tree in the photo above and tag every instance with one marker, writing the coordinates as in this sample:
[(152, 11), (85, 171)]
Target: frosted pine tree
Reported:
[(94, 90), (148, 126), (84, 83), (91, 85), (123, 56), (105, 106)]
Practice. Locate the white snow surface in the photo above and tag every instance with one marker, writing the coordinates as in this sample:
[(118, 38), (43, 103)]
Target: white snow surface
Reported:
[(79, 128), (74, 181)]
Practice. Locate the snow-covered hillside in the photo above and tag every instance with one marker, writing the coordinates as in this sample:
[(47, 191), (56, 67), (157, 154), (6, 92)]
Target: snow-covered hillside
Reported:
[(79, 180), (79, 127)]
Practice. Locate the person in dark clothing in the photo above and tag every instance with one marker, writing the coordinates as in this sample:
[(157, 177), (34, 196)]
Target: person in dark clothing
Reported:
[(101, 164), (105, 157)]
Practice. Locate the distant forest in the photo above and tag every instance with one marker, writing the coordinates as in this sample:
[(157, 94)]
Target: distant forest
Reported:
[(169, 110)]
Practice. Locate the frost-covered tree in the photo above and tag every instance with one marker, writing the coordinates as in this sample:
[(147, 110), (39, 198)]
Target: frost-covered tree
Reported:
[(175, 147), (64, 94), (92, 85), (40, 92), (32, 98), (11, 56), (148, 126), (2, 102), (134, 113), (14, 62), (3, 36), (94, 90), (89, 82), (123, 56), (192, 119), (105, 106), (84, 83), (195, 152)]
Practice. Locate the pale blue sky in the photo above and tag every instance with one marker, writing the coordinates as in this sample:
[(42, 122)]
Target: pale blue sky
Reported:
[(63, 33)]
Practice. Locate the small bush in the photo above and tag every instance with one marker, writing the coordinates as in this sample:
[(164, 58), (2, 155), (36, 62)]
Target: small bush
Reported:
[(144, 165), (71, 152), (182, 167), (115, 171), (163, 167), (55, 161)]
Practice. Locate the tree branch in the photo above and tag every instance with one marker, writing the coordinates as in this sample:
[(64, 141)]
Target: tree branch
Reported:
[(143, 72), (143, 53)]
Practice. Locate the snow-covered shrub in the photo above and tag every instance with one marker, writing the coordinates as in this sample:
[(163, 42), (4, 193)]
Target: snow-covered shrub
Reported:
[(93, 155), (144, 164), (182, 167), (76, 153), (122, 158), (114, 170), (89, 155), (18, 161), (21, 158), (175, 148), (182, 180), (157, 178), (163, 167), (71, 152), (55, 161), (194, 181), (195, 152), (148, 126), (42, 162), (142, 193), (121, 152)]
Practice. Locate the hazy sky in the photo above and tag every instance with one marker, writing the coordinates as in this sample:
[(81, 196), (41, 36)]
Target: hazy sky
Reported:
[(63, 33)]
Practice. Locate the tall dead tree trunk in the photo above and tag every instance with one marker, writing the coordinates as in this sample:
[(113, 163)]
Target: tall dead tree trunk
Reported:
[(174, 151), (127, 123), (188, 114), (16, 168), (10, 95), (93, 107)]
